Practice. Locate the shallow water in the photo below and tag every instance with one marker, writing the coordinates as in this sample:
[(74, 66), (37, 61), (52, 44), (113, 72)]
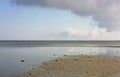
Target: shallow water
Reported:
[(11, 55)]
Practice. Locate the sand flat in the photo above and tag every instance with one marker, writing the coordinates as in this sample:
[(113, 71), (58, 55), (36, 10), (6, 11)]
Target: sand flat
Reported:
[(78, 66)]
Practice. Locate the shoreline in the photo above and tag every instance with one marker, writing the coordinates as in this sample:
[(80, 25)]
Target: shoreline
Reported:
[(77, 66)]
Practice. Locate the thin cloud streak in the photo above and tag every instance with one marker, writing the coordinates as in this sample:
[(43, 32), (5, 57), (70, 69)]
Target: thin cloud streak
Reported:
[(91, 34)]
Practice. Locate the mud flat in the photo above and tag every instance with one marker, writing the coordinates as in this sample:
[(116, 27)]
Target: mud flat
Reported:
[(78, 66)]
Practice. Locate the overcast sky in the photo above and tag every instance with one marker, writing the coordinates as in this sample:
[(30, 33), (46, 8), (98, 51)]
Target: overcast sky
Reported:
[(59, 19)]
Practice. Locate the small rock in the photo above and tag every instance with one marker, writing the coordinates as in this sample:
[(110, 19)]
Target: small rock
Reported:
[(87, 72), (22, 60), (117, 51), (75, 59), (89, 60), (54, 54), (91, 53), (65, 55), (56, 60), (30, 73)]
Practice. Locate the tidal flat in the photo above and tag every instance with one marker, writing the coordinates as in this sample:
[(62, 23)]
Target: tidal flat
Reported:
[(77, 66)]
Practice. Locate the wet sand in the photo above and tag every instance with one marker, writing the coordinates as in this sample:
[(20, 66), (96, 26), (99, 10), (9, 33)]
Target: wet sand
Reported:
[(78, 66)]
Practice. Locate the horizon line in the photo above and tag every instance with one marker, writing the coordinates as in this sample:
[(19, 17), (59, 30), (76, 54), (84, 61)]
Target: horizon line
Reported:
[(52, 40)]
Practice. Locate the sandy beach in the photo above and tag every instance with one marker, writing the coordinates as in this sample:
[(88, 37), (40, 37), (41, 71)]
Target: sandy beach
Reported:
[(77, 66)]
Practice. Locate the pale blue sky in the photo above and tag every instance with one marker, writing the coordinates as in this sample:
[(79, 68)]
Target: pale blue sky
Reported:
[(40, 23), (18, 22)]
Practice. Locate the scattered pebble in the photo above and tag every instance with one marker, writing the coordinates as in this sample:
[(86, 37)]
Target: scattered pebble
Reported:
[(56, 60), (117, 51), (87, 72), (89, 60), (75, 59), (22, 60), (30, 73), (54, 54), (65, 55)]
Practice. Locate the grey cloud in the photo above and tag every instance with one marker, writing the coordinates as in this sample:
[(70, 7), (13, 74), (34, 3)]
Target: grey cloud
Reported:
[(104, 12)]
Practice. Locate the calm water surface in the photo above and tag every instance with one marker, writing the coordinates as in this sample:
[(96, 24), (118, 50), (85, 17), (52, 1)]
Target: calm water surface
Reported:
[(11, 56)]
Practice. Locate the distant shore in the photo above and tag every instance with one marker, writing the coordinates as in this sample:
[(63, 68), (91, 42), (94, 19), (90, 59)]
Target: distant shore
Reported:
[(78, 66)]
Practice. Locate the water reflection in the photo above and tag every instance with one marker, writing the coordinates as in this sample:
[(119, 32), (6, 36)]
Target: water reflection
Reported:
[(113, 51), (87, 51)]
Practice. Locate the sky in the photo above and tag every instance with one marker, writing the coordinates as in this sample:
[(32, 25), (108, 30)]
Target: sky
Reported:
[(59, 19)]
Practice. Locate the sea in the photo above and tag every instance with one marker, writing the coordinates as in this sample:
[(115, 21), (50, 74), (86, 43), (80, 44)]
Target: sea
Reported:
[(17, 57)]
